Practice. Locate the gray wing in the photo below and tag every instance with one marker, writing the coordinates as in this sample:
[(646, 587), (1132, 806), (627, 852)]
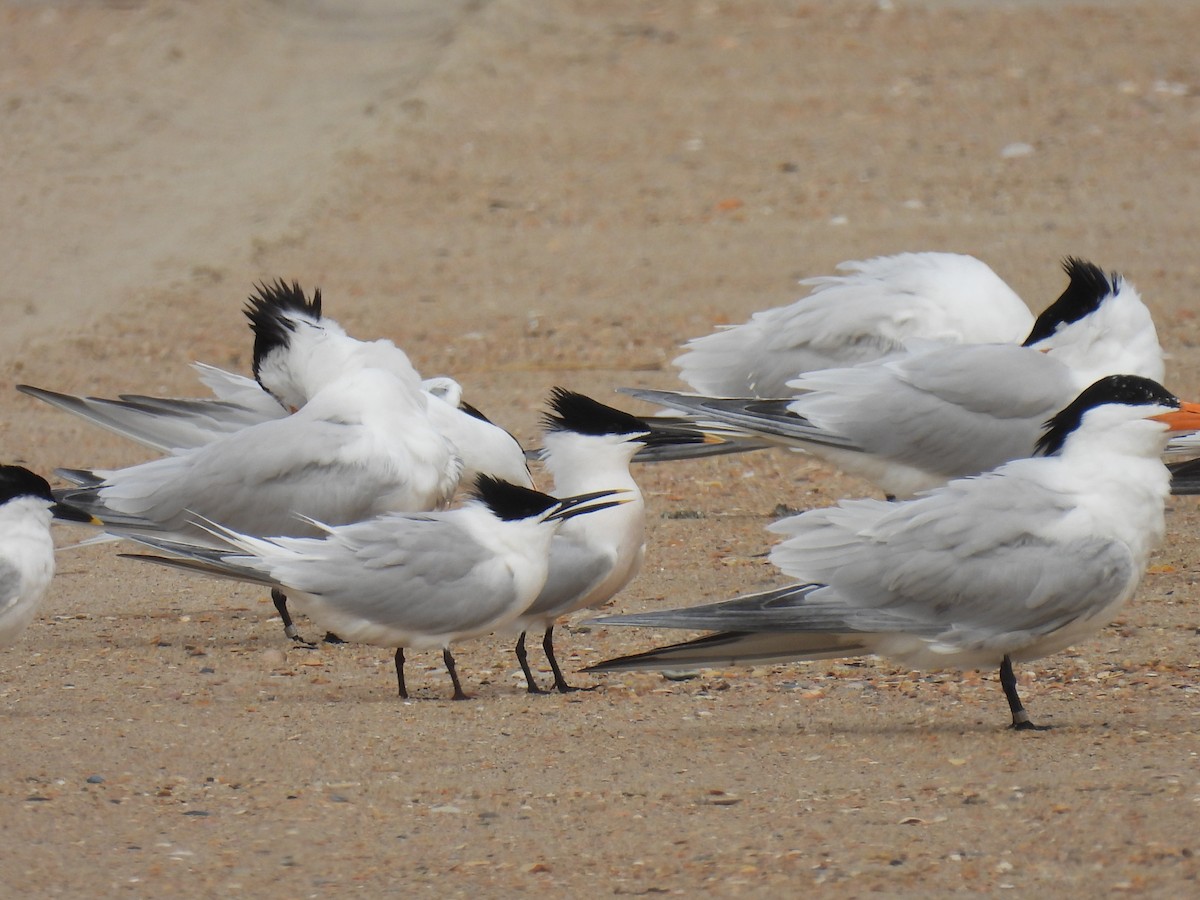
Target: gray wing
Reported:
[(414, 573), (954, 411), (973, 557), (794, 608), (574, 570), (815, 622), (256, 481), (398, 573), (218, 566), (875, 308), (165, 424)]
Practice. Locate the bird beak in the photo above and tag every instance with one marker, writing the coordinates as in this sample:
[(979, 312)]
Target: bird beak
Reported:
[(70, 514), (574, 506), (1186, 418), (672, 433)]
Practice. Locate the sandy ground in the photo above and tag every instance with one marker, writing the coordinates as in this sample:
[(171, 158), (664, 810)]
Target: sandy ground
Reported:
[(523, 195)]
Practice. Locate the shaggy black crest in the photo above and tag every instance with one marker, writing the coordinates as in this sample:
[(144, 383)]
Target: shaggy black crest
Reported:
[(511, 502), (1085, 292), (1130, 390), (583, 415), (266, 309), (17, 481)]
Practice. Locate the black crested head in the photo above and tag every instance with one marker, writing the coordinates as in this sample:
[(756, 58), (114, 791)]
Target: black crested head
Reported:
[(1130, 390), (511, 502), (583, 415), (1086, 290), (17, 481), (268, 309)]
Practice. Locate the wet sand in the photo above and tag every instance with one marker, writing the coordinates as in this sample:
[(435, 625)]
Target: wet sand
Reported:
[(526, 196)]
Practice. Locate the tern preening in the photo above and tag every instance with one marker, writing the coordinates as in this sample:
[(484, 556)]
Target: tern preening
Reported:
[(26, 547), (872, 311), (248, 462), (1005, 567), (913, 421), (360, 447), (407, 580), (298, 352)]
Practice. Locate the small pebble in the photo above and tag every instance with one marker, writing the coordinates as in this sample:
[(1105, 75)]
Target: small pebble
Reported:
[(95, 779)]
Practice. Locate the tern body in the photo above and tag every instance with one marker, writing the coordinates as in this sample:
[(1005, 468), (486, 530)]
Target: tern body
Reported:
[(406, 580), (26, 547), (362, 446), (1009, 566), (915, 420), (872, 311), (298, 354), (587, 447)]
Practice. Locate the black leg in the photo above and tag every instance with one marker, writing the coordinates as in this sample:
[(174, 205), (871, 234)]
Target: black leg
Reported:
[(449, 659), (279, 598), (548, 645), (1008, 681), (400, 673), (523, 659)]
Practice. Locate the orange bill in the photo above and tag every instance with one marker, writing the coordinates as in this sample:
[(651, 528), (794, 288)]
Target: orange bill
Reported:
[(1186, 418)]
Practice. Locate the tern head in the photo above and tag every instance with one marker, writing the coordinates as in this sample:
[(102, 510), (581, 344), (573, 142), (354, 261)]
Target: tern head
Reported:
[(275, 310), (577, 414), (1099, 326), (281, 315), (1115, 401), (17, 482), (1086, 290), (510, 502)]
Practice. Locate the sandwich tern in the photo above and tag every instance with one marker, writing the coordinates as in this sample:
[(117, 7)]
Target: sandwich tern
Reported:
[(587, 447), (420, 580), (873, 310), (297, 353), (26, 547)]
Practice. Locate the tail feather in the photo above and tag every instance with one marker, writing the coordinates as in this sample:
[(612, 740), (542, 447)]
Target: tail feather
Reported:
[(226, 561), (215, 569)]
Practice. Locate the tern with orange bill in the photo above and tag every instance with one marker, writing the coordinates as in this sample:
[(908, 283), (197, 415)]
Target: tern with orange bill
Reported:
[(1008, 566)]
